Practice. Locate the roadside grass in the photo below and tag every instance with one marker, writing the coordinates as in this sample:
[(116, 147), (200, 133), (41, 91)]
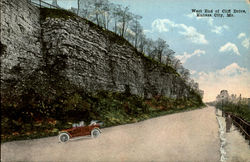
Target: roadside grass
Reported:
[(113, 108), (239, 109), (113, 119)]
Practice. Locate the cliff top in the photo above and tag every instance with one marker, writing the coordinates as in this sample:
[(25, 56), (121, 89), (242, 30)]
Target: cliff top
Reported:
[(113, 37)]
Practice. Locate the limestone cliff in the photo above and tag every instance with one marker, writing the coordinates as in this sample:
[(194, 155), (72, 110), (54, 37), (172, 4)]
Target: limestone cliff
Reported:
[(50, 50), (20, 43)]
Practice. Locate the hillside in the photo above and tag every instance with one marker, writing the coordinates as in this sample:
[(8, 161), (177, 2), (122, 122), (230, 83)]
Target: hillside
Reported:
[(58, 68)]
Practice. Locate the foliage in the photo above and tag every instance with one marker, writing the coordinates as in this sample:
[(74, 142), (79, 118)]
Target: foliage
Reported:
[(56, 13), (239, 109), (31, 115)]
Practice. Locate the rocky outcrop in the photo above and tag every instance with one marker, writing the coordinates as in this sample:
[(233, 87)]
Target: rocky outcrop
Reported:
[(91, 59), (20, 42), (95, 60), (59, 51)]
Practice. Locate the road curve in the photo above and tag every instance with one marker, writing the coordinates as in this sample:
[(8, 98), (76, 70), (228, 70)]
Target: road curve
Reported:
[(188, 136)]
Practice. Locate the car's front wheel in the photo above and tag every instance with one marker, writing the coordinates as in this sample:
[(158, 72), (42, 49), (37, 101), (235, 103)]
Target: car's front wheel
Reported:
[(95, 133), (63, 137)]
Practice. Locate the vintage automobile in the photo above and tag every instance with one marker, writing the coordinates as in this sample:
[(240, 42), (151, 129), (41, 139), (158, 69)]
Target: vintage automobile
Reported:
[(80, 129)]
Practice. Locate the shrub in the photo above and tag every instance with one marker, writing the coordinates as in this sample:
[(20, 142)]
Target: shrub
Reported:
[(238, 109), (34, 115)]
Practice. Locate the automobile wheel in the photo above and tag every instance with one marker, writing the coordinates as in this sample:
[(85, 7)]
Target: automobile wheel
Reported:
[(95, 133), (63, 137)]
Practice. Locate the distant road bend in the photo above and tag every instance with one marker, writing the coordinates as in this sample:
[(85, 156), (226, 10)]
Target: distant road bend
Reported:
[(188, 136)]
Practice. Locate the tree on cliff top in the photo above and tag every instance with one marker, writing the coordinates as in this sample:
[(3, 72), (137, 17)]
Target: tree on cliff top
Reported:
[(54, 3), (126, 24)]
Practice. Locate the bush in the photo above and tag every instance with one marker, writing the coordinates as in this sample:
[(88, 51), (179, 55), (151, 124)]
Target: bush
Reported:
[(238, 109), (34, 115)]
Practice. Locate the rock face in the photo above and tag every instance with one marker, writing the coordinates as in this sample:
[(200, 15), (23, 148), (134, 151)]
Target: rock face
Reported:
[(44, 51), (20, 42), (91, 60)]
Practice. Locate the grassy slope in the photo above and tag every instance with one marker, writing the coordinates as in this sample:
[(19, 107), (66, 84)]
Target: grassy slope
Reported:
[(240, 109), (40, 117)]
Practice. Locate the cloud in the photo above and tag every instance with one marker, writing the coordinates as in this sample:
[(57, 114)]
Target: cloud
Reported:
[(219, 29), (209, 20), (241, 35), (192, 34), (232, 69), (246, 41), (229, 47), (191, 15), (163, 25), (233, 78), (186, 55), (159, 24), (214, 28)]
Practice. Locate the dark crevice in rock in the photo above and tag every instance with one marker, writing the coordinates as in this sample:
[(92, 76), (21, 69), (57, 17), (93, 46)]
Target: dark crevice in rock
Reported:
[(3, 49)]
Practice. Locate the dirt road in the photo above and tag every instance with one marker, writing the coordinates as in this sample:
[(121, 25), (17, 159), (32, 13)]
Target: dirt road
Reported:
[(189, 136)]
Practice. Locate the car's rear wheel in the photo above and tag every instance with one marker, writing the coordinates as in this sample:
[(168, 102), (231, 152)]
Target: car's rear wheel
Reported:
[(95, 133), (63, 137)]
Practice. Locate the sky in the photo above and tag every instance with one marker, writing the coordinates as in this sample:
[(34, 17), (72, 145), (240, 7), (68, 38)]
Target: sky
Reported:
[(215, 49)]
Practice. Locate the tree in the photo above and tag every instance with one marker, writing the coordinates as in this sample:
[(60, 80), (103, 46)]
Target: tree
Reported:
[(196, 86), (78, 7), (116, 12), (125, 18), (191, 84), (136, 28), (129, 35), (150, 48), (160, 47), (142, 42), (97, 10), (106, 14), (54, 3), (185, 74), (169, 56), (86, 9), (201, 92), (102, 12), (176, 64)]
